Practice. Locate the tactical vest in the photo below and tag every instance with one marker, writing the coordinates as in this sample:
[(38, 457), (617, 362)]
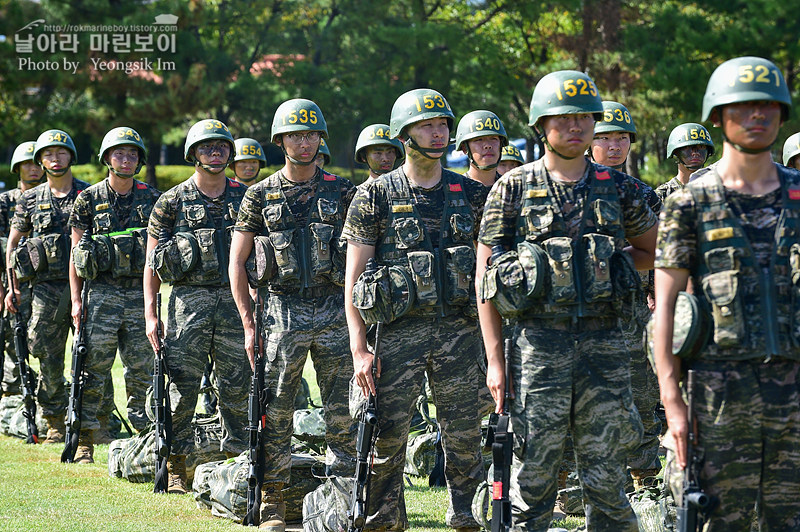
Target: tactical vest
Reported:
[(49, 241), (310, 259), (443, 276), (729, 275), (210, 245), (591, 274)]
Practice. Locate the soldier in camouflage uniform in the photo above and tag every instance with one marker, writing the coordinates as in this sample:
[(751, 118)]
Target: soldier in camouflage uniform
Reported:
[(189, 238), (300, 211), (570, 365), (115, 211), (481, 136), (510, 158), (30, 175), (733, 229), (248, 161), (419, 223), (691, 146), (380, 153), (42, 214), (791, 150), (611, 144)]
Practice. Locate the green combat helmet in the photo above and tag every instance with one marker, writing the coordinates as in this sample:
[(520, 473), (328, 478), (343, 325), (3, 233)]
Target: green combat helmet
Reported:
[(22, 153), (512, 153), (50, 138), (247, 148), (689, 134), (298, 115), (790, 149), (746, 79), (377, 135), (566, 92), (415, 106), (208, 129), (479, 124), (325, 151), (616, 118), (122, 136)]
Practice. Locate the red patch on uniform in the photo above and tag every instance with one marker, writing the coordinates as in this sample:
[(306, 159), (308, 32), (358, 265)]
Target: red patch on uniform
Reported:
[(233, 183), (794, 193), (455, 187), (141, 186), (602, 176), (497, 490), (328, 177)]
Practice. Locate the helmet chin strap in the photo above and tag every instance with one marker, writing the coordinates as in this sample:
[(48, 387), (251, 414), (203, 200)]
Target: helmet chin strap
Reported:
[(552, 149), (55, 173), (242, 179), (377, 171), (410, 143), (742, 148), (693, 167), (482, 166), (211, 169), (126, 175), (298, 162)]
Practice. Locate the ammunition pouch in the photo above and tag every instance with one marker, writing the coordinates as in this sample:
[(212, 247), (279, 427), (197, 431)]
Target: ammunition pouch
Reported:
[(422, 265), (285, 255), (459, 267), (515, 279), (205, 266), (722, 292)]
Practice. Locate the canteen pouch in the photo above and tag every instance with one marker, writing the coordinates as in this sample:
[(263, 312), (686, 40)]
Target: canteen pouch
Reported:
[(321, 249), (21, 262), (122, 264), (408, 232), (37, 253), (83, 257), (285, 255), (597, 267), (207, 267), (721, 290), (165, 260), (459, 265), (504, 285), (422, 271), (562, 278), (371, 296), (261, 266)]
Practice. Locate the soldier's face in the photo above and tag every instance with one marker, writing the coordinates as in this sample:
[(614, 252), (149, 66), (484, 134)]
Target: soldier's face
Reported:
[(485, 150), (752, 125), (432, 133), (380, 159), (569, 135), (611, 148), (693, 156), (123, 159), (505, 166), (246, 170), (55, 158), (30, 172)]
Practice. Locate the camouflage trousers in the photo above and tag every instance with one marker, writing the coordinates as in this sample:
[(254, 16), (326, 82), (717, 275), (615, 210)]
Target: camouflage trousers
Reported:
[(446, 349), (47, 338), (115, 321), (203, 321), (296, 327), (748, 417), (11, 382), (572, 377), (644, 387)]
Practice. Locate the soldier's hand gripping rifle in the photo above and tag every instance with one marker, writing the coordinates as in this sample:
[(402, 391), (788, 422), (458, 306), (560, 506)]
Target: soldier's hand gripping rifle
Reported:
[(368, 431), (163, 410), (75, 405), (696, 505), (25, 371), (256, 420), (502, 441)]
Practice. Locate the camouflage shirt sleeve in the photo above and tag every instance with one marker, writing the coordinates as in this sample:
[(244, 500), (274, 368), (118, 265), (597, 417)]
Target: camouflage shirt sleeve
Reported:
[(81, 217), (677, 232), (22, 215), (639, 216), (476, 194), (367, 215), (503, 203), (164, 213), (250, 219)]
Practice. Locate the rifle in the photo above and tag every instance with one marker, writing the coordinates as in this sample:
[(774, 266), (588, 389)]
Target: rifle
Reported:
[(368, 431), (502, 442), (163, 410), (79, 351), (25, 371), (257, 420), (696, 505)]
